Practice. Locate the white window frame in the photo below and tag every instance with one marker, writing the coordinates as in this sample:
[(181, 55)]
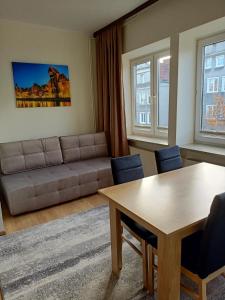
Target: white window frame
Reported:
[(207, 137), (152, 130), (217, 61), (208, 84)]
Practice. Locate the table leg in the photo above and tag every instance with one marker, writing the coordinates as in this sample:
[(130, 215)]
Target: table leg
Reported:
[(169, 267), (116, 240)]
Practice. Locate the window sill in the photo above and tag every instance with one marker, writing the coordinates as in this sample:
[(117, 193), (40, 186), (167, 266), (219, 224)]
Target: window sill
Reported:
[(152, 140), (146, 143), (201, 152), (205, 148)]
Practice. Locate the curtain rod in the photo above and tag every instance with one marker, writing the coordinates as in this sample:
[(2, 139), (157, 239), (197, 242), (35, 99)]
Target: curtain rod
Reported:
[(126, 16)]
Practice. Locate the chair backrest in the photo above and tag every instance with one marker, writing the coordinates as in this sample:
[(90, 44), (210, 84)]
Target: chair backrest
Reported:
[(127, 168), (212, 249), (168, 159)]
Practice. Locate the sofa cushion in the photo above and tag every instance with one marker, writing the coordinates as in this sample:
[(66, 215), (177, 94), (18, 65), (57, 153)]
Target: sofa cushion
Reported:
[(82, 147), (27, 155), (86, 173), (52, 151), (102, 166), (39, 188)]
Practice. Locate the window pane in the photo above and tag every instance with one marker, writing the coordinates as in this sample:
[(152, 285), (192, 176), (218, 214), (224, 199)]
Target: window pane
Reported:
[(219, 61), (213, 93), (223, 84), (142, 74), (163, 91)]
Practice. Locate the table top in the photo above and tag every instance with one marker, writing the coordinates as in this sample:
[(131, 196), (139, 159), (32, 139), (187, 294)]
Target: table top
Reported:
[(170, 202)]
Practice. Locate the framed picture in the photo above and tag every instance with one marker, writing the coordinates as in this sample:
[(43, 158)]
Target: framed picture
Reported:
[(41, 85)]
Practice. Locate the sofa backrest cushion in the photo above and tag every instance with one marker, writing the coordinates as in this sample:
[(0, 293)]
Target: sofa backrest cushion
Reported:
[(27, 155), (52, 151), (81, 147)]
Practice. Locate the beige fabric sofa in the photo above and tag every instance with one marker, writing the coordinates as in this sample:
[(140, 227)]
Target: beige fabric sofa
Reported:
[(43, 172)]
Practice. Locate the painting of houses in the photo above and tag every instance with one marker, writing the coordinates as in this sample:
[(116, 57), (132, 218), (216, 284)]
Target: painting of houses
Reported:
[(41, 85)]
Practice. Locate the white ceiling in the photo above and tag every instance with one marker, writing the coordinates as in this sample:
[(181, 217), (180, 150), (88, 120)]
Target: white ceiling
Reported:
[(81, 15)]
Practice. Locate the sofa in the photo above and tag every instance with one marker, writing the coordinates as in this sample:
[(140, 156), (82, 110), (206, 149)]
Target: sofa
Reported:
[(43, 172)]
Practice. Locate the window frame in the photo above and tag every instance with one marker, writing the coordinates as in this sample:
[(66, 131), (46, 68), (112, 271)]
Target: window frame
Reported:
[(207, 137), (152, 130)]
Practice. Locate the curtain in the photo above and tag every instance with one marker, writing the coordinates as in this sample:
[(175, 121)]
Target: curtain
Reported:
[(110, 102)]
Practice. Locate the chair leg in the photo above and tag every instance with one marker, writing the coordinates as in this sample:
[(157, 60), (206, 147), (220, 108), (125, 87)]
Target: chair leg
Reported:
[(145, 263), (202, 290), (150, 270)]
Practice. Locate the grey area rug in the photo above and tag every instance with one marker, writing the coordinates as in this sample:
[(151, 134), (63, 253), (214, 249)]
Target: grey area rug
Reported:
[(69, 259)]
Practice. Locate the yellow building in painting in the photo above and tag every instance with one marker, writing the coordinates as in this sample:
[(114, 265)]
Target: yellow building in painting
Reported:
[(56, 92)]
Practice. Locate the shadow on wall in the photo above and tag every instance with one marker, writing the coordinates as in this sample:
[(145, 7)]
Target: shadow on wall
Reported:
[(148, 160)]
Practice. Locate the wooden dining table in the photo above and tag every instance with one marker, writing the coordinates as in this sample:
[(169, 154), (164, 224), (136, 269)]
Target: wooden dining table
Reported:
[(172, 205)]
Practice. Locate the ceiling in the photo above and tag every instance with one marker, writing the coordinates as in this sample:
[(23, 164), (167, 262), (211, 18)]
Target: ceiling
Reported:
[(82, 15)]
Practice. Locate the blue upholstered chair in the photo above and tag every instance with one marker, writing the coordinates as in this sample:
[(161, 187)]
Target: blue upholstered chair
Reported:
[(203, 253), (168, 159), (125, 169)]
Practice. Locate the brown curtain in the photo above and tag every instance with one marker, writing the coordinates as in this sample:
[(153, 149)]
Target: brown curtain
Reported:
[(110, 102)]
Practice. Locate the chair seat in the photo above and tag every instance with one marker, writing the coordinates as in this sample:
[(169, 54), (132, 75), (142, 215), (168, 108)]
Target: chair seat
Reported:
[(143, 233), (191, 251)]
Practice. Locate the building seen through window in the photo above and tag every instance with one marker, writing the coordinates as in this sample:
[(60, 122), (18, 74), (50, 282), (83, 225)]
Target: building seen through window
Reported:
[(213, 88), (143, 92)]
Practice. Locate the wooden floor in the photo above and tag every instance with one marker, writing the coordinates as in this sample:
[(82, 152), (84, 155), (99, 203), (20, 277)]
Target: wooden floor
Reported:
[(13, 224), (17, 223)]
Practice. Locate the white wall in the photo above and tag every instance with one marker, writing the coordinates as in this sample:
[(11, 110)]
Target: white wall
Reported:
[(38, 44), (168, 18), (148, 160)]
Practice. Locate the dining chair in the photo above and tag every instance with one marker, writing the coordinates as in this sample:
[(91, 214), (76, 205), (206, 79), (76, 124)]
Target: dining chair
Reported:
[(168, 159), (125, 169), (202, 255)]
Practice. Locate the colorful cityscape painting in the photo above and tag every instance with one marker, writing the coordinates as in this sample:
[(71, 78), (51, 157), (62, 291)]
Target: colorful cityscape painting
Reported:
[(41, 85)]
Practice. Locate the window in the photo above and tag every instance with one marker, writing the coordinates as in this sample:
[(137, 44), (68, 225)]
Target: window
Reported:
[(208, 63), (210, 110), (144, 117), (212, 85), (163, 91), (219, 61), (223, 85), (150, 94)]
